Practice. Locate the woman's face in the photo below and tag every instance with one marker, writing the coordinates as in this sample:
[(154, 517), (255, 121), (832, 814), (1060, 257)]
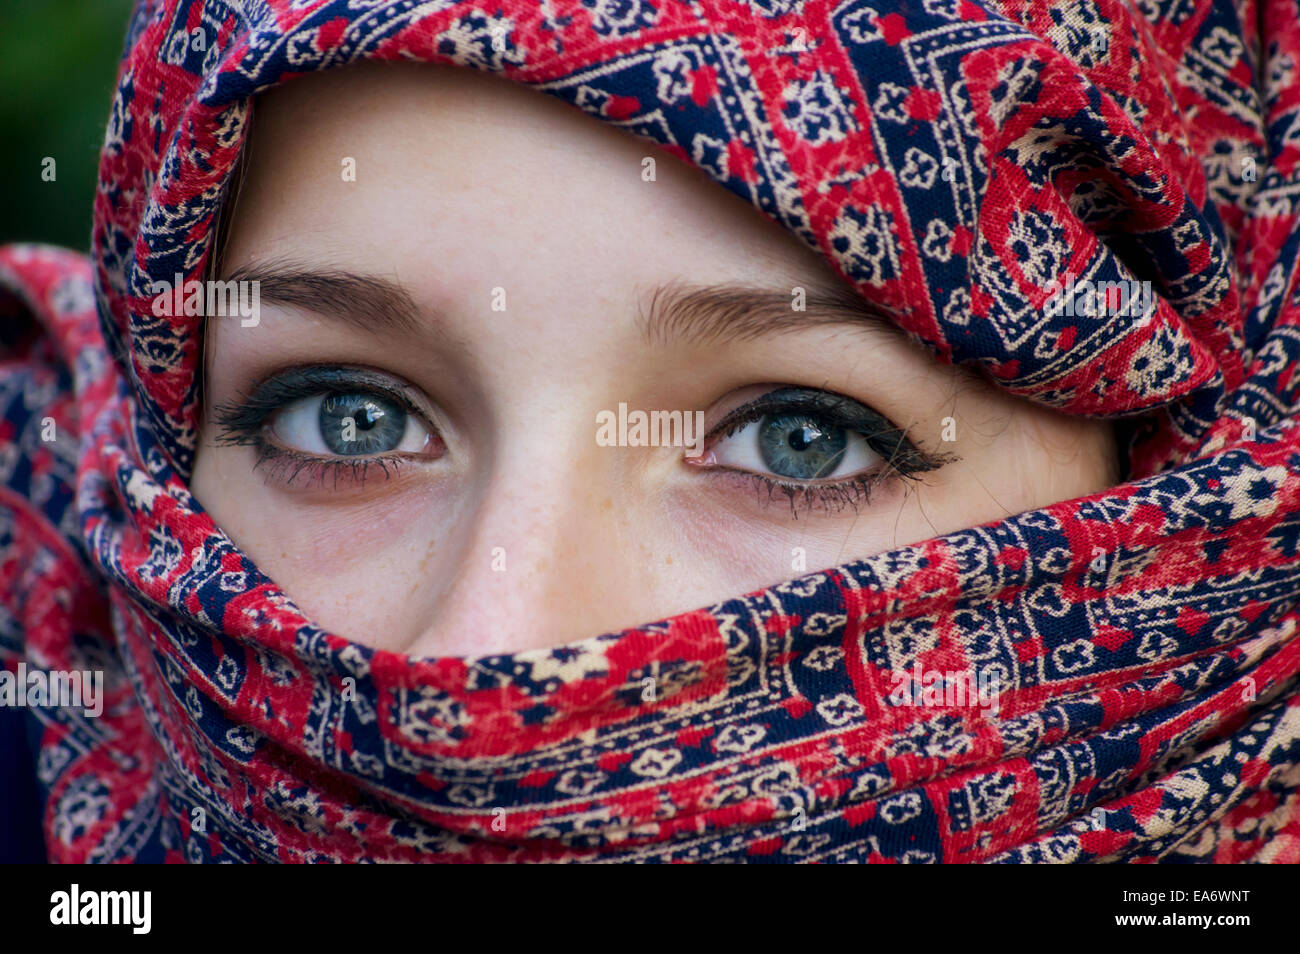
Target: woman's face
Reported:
[(420, 439)]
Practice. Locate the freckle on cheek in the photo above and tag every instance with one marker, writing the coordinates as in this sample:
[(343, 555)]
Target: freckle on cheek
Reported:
[(422, 571)]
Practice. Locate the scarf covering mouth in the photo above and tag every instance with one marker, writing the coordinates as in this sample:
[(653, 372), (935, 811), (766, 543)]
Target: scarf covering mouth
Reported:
[(951, 159)]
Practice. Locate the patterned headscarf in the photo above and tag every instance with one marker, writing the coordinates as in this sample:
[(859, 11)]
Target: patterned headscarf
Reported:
[(959, 162)]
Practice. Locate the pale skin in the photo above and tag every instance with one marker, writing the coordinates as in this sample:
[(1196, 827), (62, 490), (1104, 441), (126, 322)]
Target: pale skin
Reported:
[(497, 522)]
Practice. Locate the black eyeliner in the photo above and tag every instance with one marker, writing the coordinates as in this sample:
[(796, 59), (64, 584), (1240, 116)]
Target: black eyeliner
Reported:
[(882, 435), (241, 422)]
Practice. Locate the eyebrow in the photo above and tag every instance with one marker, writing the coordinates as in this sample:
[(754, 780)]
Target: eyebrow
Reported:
[(706, 314), (671, 312), (367, 302)]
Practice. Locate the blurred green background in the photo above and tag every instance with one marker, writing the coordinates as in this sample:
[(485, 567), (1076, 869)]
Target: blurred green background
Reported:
[(58, 68)]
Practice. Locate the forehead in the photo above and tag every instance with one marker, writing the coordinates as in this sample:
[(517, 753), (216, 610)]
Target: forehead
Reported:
[(428, 171)]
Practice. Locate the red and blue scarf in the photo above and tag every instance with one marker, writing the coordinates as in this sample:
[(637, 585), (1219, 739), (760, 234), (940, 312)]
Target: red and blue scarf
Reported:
[(952, 159)]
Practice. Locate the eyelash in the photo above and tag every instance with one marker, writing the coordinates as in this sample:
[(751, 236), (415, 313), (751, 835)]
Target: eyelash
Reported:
[(841, 411), (244, 422), (277, 462)]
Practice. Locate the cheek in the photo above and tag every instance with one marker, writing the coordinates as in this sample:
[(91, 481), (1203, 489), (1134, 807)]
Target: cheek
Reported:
[(1066, 457), (355, 568), (739, 544), (1038, 458)]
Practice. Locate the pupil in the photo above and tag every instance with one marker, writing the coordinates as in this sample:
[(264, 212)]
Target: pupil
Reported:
[(801, 438), (368, 417)]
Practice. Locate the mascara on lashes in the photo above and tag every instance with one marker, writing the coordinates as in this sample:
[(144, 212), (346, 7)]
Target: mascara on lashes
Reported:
[(882, 435), (242, 421)]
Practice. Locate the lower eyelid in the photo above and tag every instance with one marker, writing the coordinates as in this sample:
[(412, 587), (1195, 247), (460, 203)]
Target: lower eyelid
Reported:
[(304, 472), (831, 496)]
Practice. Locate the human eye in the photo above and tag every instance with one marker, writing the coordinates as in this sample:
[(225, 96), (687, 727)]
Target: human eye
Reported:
[(314, 424), (819, 448)]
